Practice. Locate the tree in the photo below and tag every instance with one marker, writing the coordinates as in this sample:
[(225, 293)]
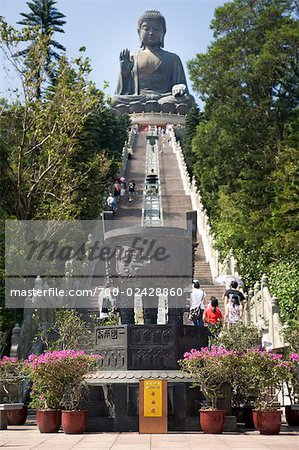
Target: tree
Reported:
[(51, 171), (284, 284), (45, 16), (249, 81), (69, 332), (54, 164), (192, 120)]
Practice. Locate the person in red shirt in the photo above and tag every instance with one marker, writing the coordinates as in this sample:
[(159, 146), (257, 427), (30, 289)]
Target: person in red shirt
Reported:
[(213, 319), (213, 314)]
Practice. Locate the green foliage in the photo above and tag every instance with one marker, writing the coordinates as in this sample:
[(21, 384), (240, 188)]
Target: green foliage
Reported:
[(60, 150), (44, 16), (285, 210), (69, 332), (192, 120), (291, 334), (246, 148), (59, 145), (240, 337), (8, 317), (262, 373), (284, 284)]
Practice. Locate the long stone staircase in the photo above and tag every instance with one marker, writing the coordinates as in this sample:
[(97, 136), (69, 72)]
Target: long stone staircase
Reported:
[(175, 203)]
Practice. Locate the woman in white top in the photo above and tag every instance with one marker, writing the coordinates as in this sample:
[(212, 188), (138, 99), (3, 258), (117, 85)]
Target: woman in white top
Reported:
[(233, 313), (197, 304)]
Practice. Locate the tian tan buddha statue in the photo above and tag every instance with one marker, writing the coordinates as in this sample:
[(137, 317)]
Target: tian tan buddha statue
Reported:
[(152, 79)]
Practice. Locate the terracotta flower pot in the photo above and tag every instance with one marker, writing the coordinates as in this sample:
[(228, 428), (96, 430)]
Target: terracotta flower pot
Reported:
[(17, 416), (48, 420), (267, 422), (74, 421), (292, 415), (212, 421)]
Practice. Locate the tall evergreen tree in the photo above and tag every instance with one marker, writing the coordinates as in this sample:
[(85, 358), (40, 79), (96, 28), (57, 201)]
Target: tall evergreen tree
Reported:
[(49, 20)]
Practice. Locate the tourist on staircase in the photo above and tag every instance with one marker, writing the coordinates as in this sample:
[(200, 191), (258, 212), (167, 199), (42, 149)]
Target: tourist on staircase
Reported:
[(212, 317), (233, 312), (131, 190), (117, 189), (123, 187), (197, 304), (111, 203), (233, 290)]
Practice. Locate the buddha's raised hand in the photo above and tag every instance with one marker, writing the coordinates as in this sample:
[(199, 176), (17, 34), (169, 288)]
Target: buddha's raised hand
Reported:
[(126, 62)]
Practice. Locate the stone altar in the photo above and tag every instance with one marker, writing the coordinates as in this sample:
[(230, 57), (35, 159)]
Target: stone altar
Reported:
[(147, 347), (136, 352)]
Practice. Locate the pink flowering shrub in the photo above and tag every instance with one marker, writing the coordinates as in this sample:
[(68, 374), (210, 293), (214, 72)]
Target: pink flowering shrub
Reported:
[(11, 377), (210, 368), (9, 367), (57, 377), (262, 374), (255, 375)]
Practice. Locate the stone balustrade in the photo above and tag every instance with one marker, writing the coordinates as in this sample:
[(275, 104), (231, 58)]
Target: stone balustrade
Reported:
[(127, 148), (263, 311)]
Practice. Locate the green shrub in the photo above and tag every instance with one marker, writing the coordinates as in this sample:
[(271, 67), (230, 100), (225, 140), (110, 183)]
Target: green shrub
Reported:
[(240, 337), (284, 284)]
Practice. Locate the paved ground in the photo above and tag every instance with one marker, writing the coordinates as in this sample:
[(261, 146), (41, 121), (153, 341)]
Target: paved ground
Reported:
[(28, 437)]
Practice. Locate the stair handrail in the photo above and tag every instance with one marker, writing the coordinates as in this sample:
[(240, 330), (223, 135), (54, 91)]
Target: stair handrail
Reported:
[(127, 148), (263, 312)]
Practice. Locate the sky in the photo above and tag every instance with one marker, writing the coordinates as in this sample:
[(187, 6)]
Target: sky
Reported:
[(105, 27)]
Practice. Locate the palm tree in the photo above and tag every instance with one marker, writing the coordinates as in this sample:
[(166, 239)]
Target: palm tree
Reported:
[(44, 15)]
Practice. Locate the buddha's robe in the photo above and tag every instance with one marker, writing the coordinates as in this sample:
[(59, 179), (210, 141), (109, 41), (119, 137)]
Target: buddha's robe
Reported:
[(152, 78)]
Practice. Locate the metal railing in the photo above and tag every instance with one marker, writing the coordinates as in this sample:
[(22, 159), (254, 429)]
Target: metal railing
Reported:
[(152, 213)]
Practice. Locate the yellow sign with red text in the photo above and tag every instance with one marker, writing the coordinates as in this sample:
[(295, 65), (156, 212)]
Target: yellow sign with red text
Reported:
[(152, 398)]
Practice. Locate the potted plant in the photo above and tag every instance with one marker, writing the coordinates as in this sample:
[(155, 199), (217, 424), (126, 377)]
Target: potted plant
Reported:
[(265, 372), (57, 383), (46, 391), (239, 338), (210, 369), (12, 386), (74, 369)]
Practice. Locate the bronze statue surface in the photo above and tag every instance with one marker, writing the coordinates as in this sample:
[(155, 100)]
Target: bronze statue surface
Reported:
[(152, 79)]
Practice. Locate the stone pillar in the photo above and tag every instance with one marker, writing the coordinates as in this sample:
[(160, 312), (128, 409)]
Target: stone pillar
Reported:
[(127, 316), (125, 302), (248, 309), (150, 309), (15, 341), (256, 289), (175, 316)]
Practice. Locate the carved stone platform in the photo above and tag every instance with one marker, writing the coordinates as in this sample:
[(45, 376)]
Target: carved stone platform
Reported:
[(147, 347), (158, 119)]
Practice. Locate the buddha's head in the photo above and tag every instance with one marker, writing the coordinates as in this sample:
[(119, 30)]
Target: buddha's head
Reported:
[(151, 29)]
